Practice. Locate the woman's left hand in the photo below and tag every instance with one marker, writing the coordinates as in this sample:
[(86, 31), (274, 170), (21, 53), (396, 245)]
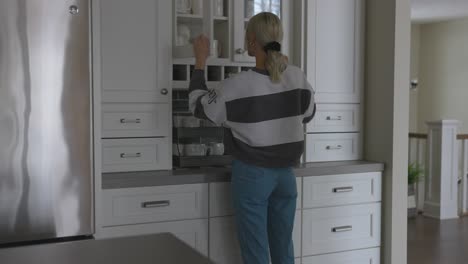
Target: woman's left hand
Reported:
[(201, 48)]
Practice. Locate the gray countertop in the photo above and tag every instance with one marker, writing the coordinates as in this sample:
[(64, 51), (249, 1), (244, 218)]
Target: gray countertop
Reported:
[(160, 248), (223, 174)]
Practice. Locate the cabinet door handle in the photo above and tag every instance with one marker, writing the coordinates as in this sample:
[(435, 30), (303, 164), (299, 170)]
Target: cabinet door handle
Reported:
[(132, 155), (340, 229), (343, 189), (130, 121), (164, 91), (338, 147), (336, 118), (156, 204)]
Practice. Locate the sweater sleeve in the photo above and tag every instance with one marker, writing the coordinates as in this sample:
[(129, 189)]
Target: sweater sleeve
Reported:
[(205, 103), (311, 107)]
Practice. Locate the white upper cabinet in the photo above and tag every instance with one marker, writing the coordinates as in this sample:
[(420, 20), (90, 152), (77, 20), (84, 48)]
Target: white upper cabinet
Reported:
[(244, 10), (334, 49), (132, 50)]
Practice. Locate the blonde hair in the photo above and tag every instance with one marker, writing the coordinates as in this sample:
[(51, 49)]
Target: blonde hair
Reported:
[(267, 29)]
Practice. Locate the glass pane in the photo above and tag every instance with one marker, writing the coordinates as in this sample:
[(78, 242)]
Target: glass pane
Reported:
[(253, 7)]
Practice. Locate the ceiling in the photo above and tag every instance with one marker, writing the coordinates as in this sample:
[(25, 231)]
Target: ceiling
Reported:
[(425, 11)]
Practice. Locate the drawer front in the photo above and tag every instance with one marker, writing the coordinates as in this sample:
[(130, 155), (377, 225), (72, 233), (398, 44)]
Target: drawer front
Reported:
[(366, 256), (154, 204), (336, 229), (221, 201), (121, 155), (135, 120), (192, 232), (334, 190), (333, 147), (336, 118)]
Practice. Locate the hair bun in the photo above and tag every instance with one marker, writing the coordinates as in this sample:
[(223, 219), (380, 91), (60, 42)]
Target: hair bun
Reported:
[(274, 45)]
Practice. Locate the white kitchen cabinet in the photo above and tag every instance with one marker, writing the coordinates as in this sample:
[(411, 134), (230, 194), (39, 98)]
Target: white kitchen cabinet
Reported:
[(154, 204), (135, 120), (365, 256), (333, 147), (344, 189), (132, 50), (336, 118), (336, 229), (192, 232), (141, 154), (334, 49), (224, 245)]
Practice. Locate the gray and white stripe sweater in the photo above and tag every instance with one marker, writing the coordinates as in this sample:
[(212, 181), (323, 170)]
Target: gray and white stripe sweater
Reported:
[(264, 120)]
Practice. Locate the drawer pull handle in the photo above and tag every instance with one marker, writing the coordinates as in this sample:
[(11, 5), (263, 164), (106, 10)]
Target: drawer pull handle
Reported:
[(155, 204), (336, 118), (340, 229), (127, 156), (343, 189), (130, 121), (338, 147)]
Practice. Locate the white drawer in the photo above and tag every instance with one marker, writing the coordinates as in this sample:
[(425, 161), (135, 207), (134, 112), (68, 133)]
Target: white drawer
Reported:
[(333, 147), (336, 118), (221, 201), (335, 229), (154, 204), (135, 120), (192, 232), (121, 155), (366, 256), (333, 190)]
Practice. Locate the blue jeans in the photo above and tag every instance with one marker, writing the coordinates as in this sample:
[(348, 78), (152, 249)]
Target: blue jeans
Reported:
[(264, 200)]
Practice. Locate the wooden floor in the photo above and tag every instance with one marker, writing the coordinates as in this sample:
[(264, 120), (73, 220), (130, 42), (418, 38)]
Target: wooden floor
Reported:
[(437, 242)]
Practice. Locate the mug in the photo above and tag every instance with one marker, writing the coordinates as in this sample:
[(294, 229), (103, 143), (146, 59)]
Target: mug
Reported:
[(215, 149), (183, 35), (178, 149), (184, 6), (215, 49), (195, 150), (197, 7)]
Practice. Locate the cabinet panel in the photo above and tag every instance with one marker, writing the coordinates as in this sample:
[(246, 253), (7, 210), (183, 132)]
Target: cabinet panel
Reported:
[(334, 50), (135, 120), (367, 256), (333, 190), (129, 49), (192, 232), (154, 204), (333, 147), (122, 155), (335, 229), (336, 118)]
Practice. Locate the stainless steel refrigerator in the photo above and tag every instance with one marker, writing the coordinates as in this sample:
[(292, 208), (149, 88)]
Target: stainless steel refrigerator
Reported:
[(45, 120)]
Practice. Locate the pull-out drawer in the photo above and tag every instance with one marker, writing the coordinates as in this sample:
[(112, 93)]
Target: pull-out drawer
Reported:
[(333, 147), (336, 118), (121, 155), (135, 120), (344, 189), (221, 201), (366, 256), (154, 204), (336, 229)]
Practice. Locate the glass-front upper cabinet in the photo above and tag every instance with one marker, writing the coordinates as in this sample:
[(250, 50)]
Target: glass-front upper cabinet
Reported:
[(243, 11)]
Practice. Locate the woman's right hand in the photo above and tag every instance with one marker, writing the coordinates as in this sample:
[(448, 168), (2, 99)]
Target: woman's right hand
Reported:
[(201, 48)]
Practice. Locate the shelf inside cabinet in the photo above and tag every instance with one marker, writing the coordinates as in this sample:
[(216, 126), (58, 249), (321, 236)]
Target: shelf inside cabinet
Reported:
[(202, 161), (221, 18), (197, 132), (189, 18)]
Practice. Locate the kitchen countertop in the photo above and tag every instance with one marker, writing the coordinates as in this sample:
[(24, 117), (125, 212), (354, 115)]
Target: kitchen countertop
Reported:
[(223, 174), (160, 248)]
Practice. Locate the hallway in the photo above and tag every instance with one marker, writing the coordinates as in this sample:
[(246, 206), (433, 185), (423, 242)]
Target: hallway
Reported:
[(437, 242)]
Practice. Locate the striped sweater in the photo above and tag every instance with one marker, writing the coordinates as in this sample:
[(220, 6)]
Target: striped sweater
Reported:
[(263, 120)]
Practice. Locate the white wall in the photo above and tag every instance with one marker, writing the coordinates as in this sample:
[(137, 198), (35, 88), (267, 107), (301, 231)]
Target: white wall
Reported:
[(443, 73), (387, 115), (415, 44)]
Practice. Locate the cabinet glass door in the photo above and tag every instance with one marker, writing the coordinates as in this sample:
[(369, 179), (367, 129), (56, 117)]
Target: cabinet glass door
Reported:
[(244, 10)]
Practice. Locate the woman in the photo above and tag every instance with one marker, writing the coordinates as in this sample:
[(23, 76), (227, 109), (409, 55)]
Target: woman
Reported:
[(264, 110)]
